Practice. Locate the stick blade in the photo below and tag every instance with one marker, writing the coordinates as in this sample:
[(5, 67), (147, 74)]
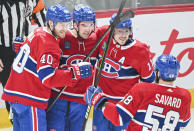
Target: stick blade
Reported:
[(123, 16), (126, 15)]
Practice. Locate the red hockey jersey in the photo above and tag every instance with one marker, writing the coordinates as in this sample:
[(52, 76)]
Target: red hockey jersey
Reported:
[(124, 66), (35, 71), (74, 51), (152, 106)]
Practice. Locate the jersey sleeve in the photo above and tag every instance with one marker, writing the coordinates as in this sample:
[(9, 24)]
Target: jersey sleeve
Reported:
[(187, 110), (123, 111), (101, 30), (47, 69), (146, 68), (38, 15), (114, 116)]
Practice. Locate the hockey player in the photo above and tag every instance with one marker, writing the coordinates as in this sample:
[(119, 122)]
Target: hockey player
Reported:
[(15, 20), (149, 106), (127, 62), (68, 112), (35, 71)]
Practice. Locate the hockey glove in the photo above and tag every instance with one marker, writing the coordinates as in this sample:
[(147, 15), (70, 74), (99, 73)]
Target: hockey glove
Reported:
[(82, 70), (95, 96), (18, 42)]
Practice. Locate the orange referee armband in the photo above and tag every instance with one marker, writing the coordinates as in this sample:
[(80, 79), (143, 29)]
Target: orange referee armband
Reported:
[(39, 6)]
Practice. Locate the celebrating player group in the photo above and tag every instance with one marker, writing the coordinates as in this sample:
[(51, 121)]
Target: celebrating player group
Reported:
[(132, 93)]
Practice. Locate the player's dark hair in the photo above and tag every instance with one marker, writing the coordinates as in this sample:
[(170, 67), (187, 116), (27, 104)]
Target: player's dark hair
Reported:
[(157, 77)]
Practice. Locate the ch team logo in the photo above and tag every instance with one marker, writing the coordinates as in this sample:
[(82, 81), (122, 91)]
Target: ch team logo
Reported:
[(75, 59), (110, 68)]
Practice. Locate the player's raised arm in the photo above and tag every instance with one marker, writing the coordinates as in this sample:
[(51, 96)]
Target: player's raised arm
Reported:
[(146, 69)]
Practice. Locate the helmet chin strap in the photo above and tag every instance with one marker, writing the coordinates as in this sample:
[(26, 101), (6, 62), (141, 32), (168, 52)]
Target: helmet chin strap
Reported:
[(115, 40), (78, 35), (53, 33), (53, 30)]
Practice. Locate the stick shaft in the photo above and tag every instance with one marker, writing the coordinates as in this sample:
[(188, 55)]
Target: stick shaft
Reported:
[(25, 21), (103, 59)]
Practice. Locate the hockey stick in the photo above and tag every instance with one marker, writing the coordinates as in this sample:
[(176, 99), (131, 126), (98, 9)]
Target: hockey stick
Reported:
[(98, 76), (103, 59), (24, 23), (124, 16)]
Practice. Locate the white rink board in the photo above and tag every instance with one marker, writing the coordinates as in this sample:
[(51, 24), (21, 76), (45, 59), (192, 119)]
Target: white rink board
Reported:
[(156, 28)]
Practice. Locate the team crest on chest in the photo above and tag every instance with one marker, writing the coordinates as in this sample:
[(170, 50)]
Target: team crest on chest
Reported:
[(75, 59), (67, 44), (110, 69)]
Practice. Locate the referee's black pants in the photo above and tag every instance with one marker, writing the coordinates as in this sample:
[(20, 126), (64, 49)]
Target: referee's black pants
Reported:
[(7, 57)]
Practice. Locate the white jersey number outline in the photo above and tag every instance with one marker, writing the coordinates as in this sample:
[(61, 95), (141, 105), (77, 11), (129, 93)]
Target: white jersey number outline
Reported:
[(127, 100), (171, 115), (46, 58), (21, 59)]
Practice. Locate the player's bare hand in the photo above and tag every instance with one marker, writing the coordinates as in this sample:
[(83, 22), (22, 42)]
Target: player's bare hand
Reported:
[(1, 65)]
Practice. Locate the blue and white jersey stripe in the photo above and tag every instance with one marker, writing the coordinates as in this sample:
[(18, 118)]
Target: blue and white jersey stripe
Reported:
[(114, 98), (27, 96), (30, 66), (149, 78), (125, 115), (43, 73), (73, 95), (46, 72)]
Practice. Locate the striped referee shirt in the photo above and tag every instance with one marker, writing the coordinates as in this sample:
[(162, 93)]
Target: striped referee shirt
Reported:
[(12, 18)]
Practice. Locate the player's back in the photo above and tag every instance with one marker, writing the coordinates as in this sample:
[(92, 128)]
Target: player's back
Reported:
[(160, 107)]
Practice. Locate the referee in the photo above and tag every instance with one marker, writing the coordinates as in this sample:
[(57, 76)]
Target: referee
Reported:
[(14, 14)]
